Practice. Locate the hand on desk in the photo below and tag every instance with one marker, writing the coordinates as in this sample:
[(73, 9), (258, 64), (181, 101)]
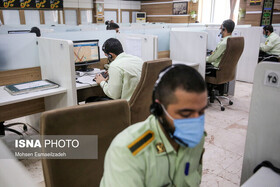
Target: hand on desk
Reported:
[(99, 78)]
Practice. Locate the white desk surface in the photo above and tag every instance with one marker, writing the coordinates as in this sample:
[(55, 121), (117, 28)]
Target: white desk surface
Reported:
[(86, 82), (6, 98), (264, 177), (192, 64)]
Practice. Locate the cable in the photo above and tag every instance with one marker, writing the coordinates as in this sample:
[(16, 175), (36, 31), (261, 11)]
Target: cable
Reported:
[(172, 183)]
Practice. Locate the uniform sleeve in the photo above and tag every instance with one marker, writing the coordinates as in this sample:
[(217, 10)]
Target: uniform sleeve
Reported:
[(121, 168), (266, 47), (217, 53), (113, 88)]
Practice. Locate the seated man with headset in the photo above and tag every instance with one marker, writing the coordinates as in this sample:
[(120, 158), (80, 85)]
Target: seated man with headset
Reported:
[(214, 59), (166, 149), (123, 74), (270, 50)]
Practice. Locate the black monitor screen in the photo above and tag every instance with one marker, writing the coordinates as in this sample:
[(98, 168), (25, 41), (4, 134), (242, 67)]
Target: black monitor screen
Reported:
[(86, 52), (140, 15), (18, 31)]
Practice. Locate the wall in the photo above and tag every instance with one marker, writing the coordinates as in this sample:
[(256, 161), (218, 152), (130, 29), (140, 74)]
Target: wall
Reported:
[(162, 11), (76, 9), (254, 13)]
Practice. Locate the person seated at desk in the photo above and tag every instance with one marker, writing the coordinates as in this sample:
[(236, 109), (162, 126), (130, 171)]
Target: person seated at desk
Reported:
[(36, 30), (112, 26), (166, 149), (214, 59), (123, 74), (270, 50)]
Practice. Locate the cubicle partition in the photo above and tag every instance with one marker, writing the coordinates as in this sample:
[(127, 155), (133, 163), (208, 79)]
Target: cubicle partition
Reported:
[(18, 51), (57, 64), (249, 58), (262, 140), (143, 46), (189, 47)]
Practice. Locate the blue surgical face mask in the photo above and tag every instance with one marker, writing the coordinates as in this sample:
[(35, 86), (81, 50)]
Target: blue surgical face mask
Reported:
[(188, 131), (265, 36)]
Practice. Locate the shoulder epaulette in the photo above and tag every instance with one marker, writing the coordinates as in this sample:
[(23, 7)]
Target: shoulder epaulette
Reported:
[(141, 142)]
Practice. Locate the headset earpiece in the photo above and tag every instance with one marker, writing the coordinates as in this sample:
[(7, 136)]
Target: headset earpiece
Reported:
[(106, 52), (156, 109)]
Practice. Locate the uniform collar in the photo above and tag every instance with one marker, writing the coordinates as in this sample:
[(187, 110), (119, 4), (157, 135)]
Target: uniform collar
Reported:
[(160, 137), (120, 56), (226, 37)]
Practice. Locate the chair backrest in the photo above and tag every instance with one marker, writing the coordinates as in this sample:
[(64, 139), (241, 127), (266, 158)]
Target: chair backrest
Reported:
[(141, 99), (104, 119), (228, 64)]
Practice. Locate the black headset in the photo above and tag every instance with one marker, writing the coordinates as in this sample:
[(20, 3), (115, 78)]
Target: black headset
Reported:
[(266, 30), (106, 51), (156, 108)]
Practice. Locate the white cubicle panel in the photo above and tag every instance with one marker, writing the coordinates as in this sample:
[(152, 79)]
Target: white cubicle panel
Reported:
[(163, 35), (57, 64), (213, 38), (18, 51), (102, 36), (189, 47), (249, 58), (143, 46), (263, 140)]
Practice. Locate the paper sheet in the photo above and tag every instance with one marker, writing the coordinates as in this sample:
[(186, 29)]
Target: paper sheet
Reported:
[(32, 85)]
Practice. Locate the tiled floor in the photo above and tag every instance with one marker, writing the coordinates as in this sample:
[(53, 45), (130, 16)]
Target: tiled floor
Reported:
[(224, 146)]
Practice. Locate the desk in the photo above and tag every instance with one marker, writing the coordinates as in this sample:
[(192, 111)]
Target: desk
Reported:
[(89, 88), (24, 104)]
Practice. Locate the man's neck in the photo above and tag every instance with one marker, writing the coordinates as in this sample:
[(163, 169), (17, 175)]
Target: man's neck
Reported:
[(174, 144)]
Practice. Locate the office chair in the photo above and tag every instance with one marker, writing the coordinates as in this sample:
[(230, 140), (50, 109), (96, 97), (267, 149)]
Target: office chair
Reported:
[(141, 99), (105, 119), (226, 70), (4, 128)]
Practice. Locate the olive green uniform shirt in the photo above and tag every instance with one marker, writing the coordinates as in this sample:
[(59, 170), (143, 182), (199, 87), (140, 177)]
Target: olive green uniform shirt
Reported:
[(124, 75), (216, 56), (271, 45), (138, 157)]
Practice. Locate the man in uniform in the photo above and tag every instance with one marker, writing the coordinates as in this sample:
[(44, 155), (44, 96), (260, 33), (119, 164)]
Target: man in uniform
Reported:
[(270, 50), (124, 73), (166, 149), (214, 59)]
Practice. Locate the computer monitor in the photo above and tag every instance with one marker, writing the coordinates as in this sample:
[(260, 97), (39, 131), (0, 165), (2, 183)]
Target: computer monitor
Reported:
[(86, 52), (18, 31)]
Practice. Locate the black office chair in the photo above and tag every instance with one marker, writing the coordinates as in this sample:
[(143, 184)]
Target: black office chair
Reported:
[(4, 128)]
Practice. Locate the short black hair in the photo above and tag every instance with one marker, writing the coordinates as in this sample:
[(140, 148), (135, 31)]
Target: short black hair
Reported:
[(229, 25), (268, 28), (112, 45), (112, 26), (179, 76), (36, 30)]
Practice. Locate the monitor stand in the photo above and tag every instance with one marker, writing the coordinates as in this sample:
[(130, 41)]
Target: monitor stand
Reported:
[(84, 69)]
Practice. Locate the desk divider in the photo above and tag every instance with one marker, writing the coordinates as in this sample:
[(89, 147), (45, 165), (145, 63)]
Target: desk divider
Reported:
[(57, 65), (189, 47)]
